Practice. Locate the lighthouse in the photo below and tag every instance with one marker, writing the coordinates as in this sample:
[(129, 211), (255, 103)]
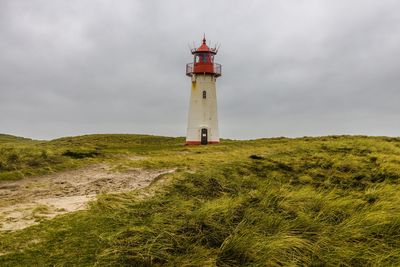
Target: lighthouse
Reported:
[(202, 125)]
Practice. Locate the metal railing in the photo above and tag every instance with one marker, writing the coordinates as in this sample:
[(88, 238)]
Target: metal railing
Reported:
[(217, 69), (189, 69)]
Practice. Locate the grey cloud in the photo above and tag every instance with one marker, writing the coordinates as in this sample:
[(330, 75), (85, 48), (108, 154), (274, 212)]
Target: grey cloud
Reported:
[(290, 68)]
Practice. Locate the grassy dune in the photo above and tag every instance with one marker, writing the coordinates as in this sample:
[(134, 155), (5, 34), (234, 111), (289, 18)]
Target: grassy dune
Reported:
[(21, 157), (324, 201)]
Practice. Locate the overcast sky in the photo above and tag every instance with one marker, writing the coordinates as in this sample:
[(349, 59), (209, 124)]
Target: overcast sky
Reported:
[(290, 67)]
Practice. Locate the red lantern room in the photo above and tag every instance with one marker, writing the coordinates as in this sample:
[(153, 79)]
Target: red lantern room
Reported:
[(204, 61)]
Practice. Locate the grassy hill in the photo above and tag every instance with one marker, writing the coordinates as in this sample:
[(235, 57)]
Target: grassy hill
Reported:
[(324, 201)]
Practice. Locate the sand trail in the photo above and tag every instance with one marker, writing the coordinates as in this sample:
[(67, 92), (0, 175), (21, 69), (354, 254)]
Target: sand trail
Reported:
[(28, 201)]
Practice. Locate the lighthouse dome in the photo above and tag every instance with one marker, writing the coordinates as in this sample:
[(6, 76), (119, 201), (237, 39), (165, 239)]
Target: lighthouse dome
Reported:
[(203, 61), (203, 48)]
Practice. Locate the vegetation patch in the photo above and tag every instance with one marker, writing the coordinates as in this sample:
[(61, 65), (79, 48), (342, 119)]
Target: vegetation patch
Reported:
[(81, 154), (327, 201)]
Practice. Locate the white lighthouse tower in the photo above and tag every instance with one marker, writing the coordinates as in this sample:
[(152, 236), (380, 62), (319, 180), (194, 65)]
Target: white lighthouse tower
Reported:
[(203, 120)]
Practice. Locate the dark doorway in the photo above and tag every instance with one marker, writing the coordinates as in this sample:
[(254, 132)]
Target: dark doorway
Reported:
[(204, 137)]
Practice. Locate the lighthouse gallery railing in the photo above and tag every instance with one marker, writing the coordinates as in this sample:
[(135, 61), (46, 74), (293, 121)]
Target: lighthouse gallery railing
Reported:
[(217, 69)]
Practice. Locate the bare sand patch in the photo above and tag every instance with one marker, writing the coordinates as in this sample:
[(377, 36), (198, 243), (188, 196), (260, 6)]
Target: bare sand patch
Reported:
[(27, 202)]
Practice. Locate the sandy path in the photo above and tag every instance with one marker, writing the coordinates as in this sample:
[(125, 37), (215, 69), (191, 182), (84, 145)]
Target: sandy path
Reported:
[(26, 202)]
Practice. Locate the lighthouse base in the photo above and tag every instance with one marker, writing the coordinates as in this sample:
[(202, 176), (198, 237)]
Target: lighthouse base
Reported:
[(199, 142)]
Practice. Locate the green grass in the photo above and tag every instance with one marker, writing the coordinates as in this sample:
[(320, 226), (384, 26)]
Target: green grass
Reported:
[(20, 157), (324, 201)]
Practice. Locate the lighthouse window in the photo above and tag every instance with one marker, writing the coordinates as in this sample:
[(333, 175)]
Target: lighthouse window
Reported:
[(204, 94), (201, 58)]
